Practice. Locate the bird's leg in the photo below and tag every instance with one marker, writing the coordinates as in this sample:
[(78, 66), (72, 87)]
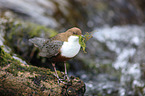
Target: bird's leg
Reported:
[(53, 64), (59, 80), (66, 71)]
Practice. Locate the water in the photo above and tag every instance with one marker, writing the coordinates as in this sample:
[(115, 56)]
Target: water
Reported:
[(124, 41)]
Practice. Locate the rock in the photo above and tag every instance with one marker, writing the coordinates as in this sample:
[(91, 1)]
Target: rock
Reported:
[(17, 79)]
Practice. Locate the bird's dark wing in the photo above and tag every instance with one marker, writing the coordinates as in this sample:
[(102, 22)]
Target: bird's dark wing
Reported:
[(50, 48)]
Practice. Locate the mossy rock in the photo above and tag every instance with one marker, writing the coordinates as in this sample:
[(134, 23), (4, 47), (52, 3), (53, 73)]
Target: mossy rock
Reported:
[(18, 79), (17, 33)]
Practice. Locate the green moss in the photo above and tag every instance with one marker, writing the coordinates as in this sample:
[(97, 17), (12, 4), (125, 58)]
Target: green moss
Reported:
[(21, 29), (36, 30), (5, 58), (82, 43), (83, 39), (18, 33), (16, 66)]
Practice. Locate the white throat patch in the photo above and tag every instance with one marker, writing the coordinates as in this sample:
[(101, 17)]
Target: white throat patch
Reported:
[(71, 48)]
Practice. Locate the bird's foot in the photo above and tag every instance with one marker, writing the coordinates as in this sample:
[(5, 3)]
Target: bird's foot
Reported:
[(66, 77), (62, 80)]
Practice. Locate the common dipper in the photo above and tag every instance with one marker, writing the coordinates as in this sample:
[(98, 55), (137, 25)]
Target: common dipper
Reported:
[(59, 48)]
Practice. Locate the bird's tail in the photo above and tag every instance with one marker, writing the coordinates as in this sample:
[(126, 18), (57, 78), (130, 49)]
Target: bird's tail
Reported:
[(38, 42)]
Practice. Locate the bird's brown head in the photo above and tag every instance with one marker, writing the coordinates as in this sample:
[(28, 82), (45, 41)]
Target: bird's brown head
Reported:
[(74, 31), (70, 32)]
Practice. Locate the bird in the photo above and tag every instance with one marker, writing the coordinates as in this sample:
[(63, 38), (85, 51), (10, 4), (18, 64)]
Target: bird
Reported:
[(59, 48)]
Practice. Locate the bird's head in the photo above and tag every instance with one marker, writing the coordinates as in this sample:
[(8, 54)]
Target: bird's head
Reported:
[(74, 32)]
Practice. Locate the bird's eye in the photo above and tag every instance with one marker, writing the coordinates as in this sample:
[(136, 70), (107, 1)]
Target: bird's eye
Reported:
[(74, 32)]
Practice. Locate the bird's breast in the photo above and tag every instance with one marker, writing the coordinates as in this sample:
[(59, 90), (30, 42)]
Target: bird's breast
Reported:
[(70, 49)]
